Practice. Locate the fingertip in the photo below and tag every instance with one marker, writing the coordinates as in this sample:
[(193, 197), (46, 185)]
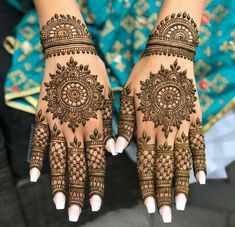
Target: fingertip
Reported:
[(34, 174), (95, 202), (201, 177), (74, 212), (59, 200), (180, 201), (150, 204), (121, 144), (165, 212), (110, 146)]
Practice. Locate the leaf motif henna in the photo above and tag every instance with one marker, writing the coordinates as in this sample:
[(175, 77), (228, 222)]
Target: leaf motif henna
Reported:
[(74, 95), (65, 34), (176, 35), (167, 98)]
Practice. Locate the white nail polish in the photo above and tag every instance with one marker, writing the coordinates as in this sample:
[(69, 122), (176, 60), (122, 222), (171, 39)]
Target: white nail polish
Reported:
[(59, 200), (120, 145), (180, 201), (111, 144), (34, 174), (95, 202), (166, 214), (74, 213), (201, 176), (150, 204)]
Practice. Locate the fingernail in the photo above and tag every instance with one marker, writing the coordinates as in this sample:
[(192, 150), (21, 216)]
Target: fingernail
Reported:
[(34, 174), (201, 177), (95, 202), (150, 204), (59, 200), (165, 212), (111, 146), (180, 201), (74, 213), (120, 144)]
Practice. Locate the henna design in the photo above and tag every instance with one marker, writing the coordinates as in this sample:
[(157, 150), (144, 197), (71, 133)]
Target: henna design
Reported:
[(39, 142), (197, 146), (107, 116), (74, 95), (127, 114), (96, 163), (176, 35), (77, 172), (182, 164), (65, 34), (145, 165), (57, 157), (164, 174), (167, 98)]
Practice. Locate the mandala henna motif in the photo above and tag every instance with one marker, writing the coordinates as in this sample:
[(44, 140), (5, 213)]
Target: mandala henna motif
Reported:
[(107, 116), (74, 95), (57, 157), (182, 164), (145, 165), (39, 142), (65, 34), (77, 172), (127, 114), (176, 35), (167, 98), (96, 163), (197, 146), (164, 175)]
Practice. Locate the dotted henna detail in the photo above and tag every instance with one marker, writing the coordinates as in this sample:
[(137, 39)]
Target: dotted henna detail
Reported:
[(167, 98), (74, 95), (176, 35), (65, 34)]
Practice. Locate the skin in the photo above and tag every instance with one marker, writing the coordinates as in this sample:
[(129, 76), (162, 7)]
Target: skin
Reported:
[(140, 72)]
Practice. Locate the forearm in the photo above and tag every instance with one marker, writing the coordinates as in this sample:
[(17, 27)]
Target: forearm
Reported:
[(193, 7), (48, 8)]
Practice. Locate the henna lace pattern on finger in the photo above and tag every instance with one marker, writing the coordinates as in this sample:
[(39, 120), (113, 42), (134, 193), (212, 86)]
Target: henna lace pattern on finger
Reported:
[(176, 35), (65, 34), (39, 142), (127, 114), (96, 163), (77, 172), (197, 146), (73, 95), (182, 165), (58, 159), (167, 98), (145, 165), (164, 175)]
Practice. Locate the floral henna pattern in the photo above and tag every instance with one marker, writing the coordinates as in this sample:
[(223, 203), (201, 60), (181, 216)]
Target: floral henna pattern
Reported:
[(40, 141), (167, 98), (57, 157), (74, 95), (127, 114), (197, 146), (182, 164), (145, 165), (96, 163), (164, 174), (65, 34), (77, 172), (176, 35)]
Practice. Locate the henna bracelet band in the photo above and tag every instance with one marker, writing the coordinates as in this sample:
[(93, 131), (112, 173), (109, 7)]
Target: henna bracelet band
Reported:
[(176, 35), (65, 34)]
